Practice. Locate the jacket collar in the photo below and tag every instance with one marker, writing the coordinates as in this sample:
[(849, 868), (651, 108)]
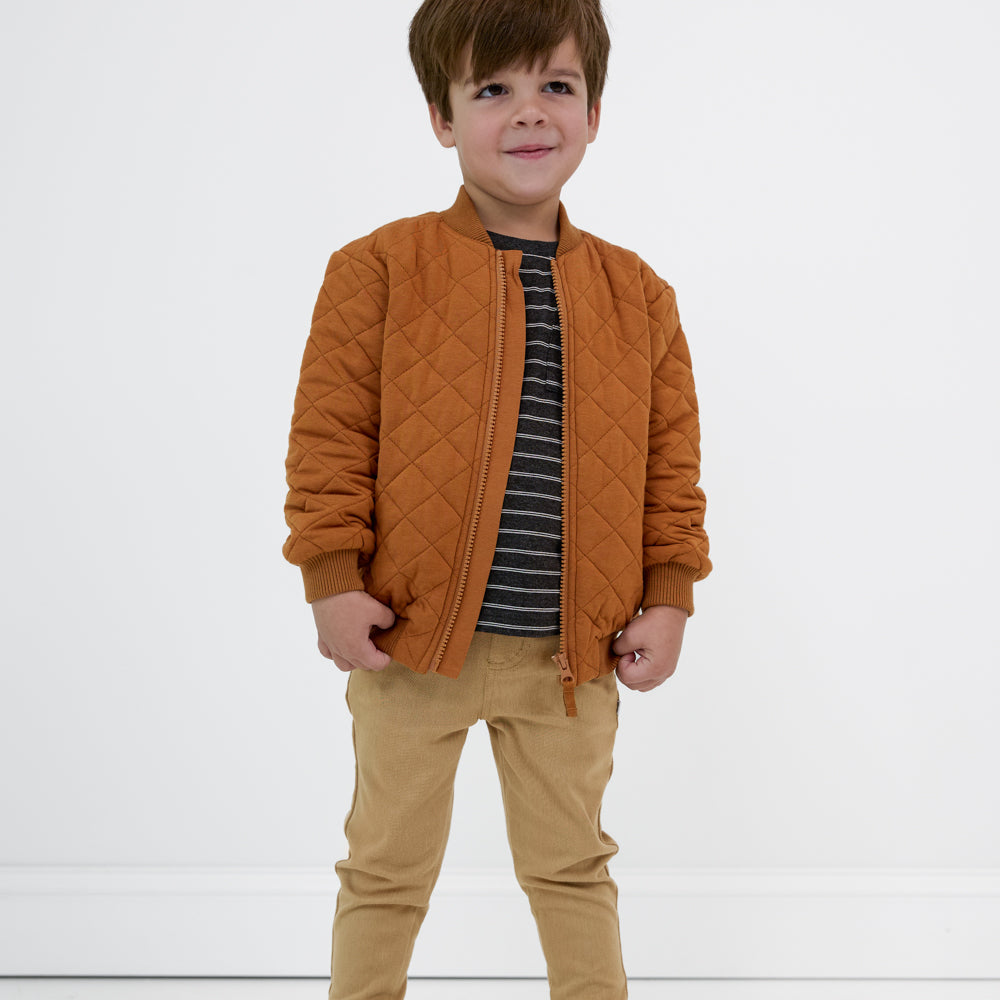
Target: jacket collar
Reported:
[(462, 217)]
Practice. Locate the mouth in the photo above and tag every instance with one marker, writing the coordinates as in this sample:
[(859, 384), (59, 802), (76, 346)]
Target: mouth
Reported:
[(531, 152)]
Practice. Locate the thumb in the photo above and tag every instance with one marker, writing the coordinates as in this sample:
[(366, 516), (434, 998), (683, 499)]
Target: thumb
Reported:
[(383, 616), (624, 643)]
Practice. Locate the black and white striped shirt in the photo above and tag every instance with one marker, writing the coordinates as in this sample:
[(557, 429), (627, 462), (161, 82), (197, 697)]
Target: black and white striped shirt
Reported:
[(522, 594)]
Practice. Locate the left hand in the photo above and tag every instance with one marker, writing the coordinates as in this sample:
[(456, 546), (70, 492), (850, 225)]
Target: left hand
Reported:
[(650, 646)]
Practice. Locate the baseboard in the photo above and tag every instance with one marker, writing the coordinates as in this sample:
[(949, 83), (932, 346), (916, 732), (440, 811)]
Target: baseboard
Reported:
[(761, 923)]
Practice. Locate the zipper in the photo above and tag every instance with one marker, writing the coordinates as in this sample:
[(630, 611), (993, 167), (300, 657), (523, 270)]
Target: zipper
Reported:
[(487, 450), (561, 659)]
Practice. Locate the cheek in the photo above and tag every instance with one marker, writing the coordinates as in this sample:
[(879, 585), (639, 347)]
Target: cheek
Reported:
[(480, 140)]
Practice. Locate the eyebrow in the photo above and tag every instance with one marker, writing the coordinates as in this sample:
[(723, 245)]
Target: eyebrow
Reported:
[(546, 72)]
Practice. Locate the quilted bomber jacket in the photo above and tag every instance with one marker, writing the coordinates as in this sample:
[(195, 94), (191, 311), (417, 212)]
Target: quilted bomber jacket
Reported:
[(404, 424)]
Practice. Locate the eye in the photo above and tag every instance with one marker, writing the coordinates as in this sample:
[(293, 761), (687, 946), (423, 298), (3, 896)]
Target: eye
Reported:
[(558, 87), (491, 90)]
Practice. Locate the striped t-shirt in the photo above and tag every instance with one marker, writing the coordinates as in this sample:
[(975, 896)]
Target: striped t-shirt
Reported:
[(522, 593)]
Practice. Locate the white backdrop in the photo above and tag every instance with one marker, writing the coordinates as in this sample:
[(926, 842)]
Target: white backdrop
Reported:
[(813, 793)]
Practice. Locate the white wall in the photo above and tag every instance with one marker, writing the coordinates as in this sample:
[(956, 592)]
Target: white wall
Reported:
[(814, 792)]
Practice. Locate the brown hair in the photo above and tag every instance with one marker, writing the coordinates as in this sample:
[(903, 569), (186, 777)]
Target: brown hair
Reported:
[(503, 33)]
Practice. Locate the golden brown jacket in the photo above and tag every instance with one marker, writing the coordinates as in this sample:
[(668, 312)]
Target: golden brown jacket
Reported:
[(404, 427)]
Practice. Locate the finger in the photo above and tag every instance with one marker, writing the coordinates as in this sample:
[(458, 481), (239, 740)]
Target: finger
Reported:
[(642, 683), (627, 658), (340, 661), (642, 679), (625, 675), (375, 659), (634, 667)]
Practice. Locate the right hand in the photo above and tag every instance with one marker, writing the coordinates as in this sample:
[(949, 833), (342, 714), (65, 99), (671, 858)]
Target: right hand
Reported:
[(344, 623)]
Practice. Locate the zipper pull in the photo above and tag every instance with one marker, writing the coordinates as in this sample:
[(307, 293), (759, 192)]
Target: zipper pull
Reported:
[(568, 682)]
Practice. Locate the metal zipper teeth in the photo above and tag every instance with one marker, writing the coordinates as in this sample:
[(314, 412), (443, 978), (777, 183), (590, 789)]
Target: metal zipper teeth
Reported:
[(565, 464), (481, 489)]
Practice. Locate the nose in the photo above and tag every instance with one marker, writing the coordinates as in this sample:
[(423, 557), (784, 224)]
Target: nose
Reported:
[(529, 112)]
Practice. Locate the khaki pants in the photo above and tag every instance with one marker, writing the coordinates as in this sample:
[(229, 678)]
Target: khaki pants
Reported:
[(409, 730)]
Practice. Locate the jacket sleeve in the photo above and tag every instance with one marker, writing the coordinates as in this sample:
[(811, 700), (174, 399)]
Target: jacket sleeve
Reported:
[(333, 444), (675, 545)]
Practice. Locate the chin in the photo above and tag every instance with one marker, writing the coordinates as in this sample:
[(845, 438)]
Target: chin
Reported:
[(534, 196)]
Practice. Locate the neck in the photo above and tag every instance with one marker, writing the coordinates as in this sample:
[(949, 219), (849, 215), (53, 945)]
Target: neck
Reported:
[(527, 222)]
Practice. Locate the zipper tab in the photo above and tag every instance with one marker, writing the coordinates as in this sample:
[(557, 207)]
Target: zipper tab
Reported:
[(568, 682)]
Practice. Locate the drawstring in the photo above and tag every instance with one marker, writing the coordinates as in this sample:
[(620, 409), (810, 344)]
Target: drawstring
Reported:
[(568, 682)]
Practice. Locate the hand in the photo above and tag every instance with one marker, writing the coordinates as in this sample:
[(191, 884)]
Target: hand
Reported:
[(344, 623), (649, 647)]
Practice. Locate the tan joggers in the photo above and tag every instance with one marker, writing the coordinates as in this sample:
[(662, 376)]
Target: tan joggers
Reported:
[(409, 730)]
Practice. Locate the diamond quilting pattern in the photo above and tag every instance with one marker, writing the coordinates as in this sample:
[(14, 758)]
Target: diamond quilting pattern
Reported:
[(386, 436), (629, 360), (434, 383)]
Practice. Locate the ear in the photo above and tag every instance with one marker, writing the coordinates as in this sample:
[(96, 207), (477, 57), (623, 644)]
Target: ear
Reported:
[(442, 127), (593, 120)]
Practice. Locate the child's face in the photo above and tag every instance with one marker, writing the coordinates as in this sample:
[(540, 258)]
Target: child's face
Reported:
[(520, 136)]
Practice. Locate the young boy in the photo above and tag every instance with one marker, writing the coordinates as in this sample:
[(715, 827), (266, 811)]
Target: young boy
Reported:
[(493, 467)]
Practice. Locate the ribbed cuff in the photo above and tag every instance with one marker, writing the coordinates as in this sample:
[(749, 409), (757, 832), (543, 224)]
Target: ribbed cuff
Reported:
[(331, 573), (669, 583)]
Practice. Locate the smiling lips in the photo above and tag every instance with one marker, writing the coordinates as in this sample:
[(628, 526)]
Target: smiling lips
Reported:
[(533, 152)]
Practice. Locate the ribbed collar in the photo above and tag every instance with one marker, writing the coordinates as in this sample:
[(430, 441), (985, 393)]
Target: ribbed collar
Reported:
[(463, 218)]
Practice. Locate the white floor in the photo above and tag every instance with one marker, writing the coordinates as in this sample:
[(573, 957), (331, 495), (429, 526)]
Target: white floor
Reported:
[(509, 989)]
